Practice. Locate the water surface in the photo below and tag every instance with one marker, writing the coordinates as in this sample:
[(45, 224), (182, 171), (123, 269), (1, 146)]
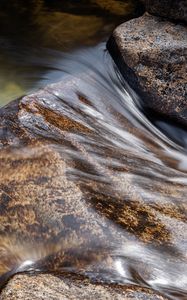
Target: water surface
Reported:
[(105, 194)]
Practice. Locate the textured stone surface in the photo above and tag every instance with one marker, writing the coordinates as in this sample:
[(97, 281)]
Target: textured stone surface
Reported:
[(45, 287), (59, 221), (171, 9), (152, 55)]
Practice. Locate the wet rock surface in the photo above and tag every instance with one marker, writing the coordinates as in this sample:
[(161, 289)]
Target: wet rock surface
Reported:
[(45, 287), (152, 56), (171, 9), (57, 221), (47, 213)]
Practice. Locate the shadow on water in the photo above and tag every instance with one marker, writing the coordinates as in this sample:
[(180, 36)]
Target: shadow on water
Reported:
[(101, 189), (105, 194)]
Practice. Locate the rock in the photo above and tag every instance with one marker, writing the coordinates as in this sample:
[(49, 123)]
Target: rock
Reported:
[(151, 53), (57, 220), (171, 9), (44, 287)]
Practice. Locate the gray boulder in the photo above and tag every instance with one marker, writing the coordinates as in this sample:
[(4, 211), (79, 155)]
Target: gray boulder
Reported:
[(152, 56)]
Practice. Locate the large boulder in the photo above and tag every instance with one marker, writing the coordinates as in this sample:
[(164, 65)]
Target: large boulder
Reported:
[(171, 9), (152, 56), (53, 220)]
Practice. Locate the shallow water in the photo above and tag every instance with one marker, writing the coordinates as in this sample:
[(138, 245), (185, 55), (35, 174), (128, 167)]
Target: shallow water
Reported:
[(105, 195)]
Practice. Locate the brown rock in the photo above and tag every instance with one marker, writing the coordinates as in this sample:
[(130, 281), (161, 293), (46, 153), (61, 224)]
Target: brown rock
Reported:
[(152, 56), (171, 9), (45, 287), (56, 220)]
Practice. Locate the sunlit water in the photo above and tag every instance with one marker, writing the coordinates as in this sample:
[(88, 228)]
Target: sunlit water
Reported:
[(105, 195)]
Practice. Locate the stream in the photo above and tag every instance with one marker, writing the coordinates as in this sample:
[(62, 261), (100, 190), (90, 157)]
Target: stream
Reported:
[(119, 181)]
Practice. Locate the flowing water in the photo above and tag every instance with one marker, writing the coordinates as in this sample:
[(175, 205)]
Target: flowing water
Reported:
[(101, 190)]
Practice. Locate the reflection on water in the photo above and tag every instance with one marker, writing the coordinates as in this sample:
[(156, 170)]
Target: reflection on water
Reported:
[(27, 27), (105, 194)]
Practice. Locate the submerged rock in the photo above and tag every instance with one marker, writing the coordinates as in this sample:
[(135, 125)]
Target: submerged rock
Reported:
[(152, 56), (171, 9)]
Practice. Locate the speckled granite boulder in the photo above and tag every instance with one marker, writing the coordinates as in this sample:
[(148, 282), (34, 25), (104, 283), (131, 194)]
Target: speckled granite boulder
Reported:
[(45, 287), (152, 56), (171, 9)]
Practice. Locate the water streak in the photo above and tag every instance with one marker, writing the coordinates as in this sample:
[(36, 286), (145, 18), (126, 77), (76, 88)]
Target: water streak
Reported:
[(103, 192)]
